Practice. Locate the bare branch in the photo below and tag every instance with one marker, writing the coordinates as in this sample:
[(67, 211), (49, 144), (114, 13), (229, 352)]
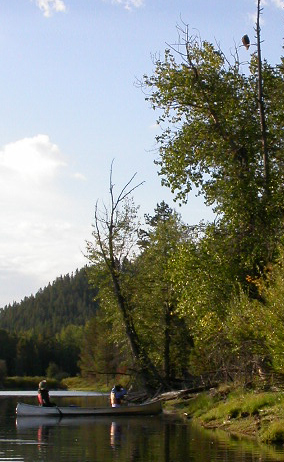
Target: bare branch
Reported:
[(261, 103)]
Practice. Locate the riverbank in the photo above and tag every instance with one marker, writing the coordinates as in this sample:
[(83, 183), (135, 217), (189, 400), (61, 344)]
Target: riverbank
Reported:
[(234, 409), (69, 383)]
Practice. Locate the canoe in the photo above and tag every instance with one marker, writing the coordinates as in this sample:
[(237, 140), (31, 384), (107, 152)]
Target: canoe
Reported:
[(151, 408)]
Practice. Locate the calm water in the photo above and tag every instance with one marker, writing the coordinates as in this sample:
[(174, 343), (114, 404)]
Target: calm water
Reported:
[(123, 439)]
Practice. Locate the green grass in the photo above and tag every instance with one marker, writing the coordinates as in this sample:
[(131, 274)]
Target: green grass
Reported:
[(243, 404), (80, 384), (274, 433), (238, 411), (193, 406)]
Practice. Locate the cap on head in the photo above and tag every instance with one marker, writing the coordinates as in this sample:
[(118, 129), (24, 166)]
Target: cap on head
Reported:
[(43, 384)]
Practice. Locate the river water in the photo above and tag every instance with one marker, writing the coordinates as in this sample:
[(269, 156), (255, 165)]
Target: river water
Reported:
[(121, 439)]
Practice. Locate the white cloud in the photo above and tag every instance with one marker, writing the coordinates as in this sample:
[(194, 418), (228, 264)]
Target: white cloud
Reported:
[(129, 4), (41, 235), (154, 126), (34, 160), (252, 19), (79, 176), (278, 3), (265, 3), (50, 6)]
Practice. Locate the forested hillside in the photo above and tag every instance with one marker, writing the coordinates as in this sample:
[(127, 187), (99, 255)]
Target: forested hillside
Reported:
[(68, 300)]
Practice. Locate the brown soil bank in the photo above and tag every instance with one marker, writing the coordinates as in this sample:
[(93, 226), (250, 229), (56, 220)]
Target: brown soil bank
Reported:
[(234, 409)]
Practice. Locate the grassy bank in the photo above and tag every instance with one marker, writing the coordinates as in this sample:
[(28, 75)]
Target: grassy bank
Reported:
[(81, 384), (236, 410)]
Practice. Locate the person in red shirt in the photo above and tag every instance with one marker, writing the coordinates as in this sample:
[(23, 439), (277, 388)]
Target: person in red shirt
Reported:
[(43, 395)]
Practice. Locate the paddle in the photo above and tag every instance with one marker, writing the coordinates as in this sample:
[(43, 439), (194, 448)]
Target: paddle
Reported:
[(59, 412)]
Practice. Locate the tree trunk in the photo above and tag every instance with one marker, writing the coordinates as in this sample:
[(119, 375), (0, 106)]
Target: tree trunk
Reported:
[(152, 380), (261, 106)]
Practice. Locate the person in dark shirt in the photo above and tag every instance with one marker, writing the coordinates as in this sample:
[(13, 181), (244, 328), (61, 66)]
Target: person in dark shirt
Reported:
[(117, 395), (43, 395)]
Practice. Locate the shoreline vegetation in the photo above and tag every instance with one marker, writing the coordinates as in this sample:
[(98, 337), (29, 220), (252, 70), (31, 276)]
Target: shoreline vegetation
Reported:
[(31, 383), (234, 409)]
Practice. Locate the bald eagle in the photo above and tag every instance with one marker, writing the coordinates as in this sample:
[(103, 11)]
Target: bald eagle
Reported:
[(246, 42)]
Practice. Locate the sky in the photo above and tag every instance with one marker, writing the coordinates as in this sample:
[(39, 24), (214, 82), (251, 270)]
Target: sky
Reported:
[(70, 105)]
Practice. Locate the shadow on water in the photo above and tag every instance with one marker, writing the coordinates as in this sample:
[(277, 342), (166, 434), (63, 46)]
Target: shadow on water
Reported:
[(121, 439)]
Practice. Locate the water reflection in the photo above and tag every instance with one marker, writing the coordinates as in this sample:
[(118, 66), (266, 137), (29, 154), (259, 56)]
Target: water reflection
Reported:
[(115, 435), (43, 434), (123, 439), (135, 439)]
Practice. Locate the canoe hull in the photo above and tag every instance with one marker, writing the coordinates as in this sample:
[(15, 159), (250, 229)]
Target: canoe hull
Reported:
[(152, 408)]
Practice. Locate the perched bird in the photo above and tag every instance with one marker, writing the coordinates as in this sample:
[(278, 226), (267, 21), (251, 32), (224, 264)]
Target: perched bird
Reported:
[(246, 42)]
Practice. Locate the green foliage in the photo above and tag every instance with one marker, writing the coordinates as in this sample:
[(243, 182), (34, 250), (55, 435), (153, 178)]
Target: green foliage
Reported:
[(146, 285), (164, 334), (82, 384), (201, 274), (102, 359), (115, 235), (271, 316), (213, 140), (52, 371), (68, 347), (254, 329), (240, 405), (68, 300), (47, 328), (181, 285), (27, 356), (3, 371), (258, 402), (243, 340), (30, 383), (274, 433), (200, 404), (8, 348)]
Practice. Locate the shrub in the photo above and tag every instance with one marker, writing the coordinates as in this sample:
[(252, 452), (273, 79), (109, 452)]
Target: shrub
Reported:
[(274, 434), (52, 370)]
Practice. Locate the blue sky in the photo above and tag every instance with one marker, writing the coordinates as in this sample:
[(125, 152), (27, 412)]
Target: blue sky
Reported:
[(69, 105)]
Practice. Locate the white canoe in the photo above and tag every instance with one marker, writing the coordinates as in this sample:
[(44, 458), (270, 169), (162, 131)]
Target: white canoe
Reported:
[(154, 407)]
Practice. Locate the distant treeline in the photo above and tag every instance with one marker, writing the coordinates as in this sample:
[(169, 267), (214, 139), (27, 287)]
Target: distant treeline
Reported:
[(68, 300), (42, 335)]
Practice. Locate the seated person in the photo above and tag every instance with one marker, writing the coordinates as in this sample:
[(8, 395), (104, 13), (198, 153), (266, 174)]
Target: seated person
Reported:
[(43, 395), (116, 396)]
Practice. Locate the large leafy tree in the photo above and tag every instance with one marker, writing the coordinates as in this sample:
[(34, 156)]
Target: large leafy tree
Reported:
[(223, 134)]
